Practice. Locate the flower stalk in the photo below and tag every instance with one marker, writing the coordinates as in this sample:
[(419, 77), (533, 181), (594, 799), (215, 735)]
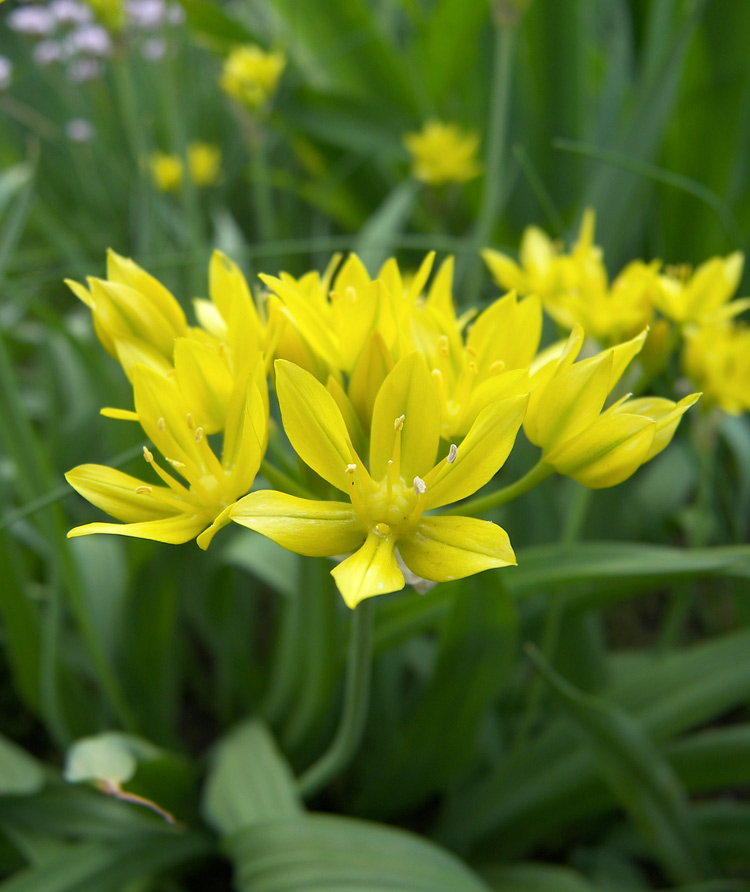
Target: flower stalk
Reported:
[(354, 713)]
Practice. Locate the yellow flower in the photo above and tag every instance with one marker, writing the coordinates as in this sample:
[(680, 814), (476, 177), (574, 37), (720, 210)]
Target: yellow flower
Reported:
[(703, 296), (166, 171), (177, 424), (204, 163), (717, 359), (565, 418), (135, 316), (389, 495), (251, 76), (442, 153)]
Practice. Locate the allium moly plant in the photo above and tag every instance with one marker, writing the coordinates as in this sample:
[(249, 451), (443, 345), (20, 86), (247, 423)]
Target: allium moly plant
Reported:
[(385, 394)]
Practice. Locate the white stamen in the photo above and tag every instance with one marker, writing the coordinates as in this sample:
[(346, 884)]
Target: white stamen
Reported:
[(190, 422), (420, 487), (350, 469), (452, 453), (148, 454), (198, 434), (398, 424), (143, 490), (161, 424)]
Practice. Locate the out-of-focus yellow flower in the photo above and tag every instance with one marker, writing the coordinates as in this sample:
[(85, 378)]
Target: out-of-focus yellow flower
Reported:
[(204, 163), (177, 424), (578, 439), (389, 495), (166, 171), (111, 13), (443, 153), (545, 269), (703, 296), (251, 76), (717, 359), (574, 286)]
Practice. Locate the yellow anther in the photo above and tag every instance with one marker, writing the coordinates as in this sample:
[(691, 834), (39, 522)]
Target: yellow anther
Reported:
[(444, 345), (471, 351), (398, 424), (334, 295), (473, 367), (148, 454), (382, 530), (175, 464), (161, 424), (497, 366), (420, 487), (452, 453), (143, 490), (351, 294), (351, 469), (198, 434), (190, 422)]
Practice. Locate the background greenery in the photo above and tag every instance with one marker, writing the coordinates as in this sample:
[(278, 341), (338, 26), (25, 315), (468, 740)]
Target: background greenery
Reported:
[(613, 757)]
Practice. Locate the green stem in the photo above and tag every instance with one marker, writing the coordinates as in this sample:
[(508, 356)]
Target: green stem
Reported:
[(265, 216), (481, 505), (356, 702), (495, 158)]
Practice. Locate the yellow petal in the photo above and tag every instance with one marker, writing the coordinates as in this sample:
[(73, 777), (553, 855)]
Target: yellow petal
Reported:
[(372, 570), (508, 331), (570, 402), (445, 548), (505, 271), (315, 529), (170, 424), (119, 414), (665, 413), (122, 496), (246, 432), (480, 455), (353, 424), (607, 452), (623, 354), (440, 297), (313, 423), (204, 380), (131, 351), (125, 271), (171, 530), (409, 390), (230, 292), (372, 367)]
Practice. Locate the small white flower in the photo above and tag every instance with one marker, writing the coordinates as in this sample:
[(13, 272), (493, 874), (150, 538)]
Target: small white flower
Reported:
[(46, 52), (34, 20), (79, 130)]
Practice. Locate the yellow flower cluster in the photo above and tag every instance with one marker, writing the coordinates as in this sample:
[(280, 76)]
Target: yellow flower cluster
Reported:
[(251, 76), (441, 153), (692, 307), (203, 164), (385, 393)]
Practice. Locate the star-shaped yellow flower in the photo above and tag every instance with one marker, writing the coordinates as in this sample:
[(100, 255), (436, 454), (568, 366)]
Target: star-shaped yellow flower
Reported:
[(388, 496), (178, 426)]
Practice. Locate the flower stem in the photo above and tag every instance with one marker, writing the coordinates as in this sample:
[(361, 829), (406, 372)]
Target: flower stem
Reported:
[(265, 216), (481, 505), (495, 158), (354, 713), (283, 482)]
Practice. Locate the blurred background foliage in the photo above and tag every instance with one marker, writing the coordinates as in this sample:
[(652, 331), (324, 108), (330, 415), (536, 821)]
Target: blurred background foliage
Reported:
[(614, 757)]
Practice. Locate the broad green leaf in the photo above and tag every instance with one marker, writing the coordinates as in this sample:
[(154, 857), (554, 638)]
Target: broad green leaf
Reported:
[(249, 782), (20, 774), (319, 853), (536, 878), (638, 774), (96, 867)]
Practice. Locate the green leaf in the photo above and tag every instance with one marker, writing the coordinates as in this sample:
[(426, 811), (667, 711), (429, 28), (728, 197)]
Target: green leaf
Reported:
[(376, 238), (536, 878), (249, 782), (319, 853), (96, 867), (639, 776), (20, 774)]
